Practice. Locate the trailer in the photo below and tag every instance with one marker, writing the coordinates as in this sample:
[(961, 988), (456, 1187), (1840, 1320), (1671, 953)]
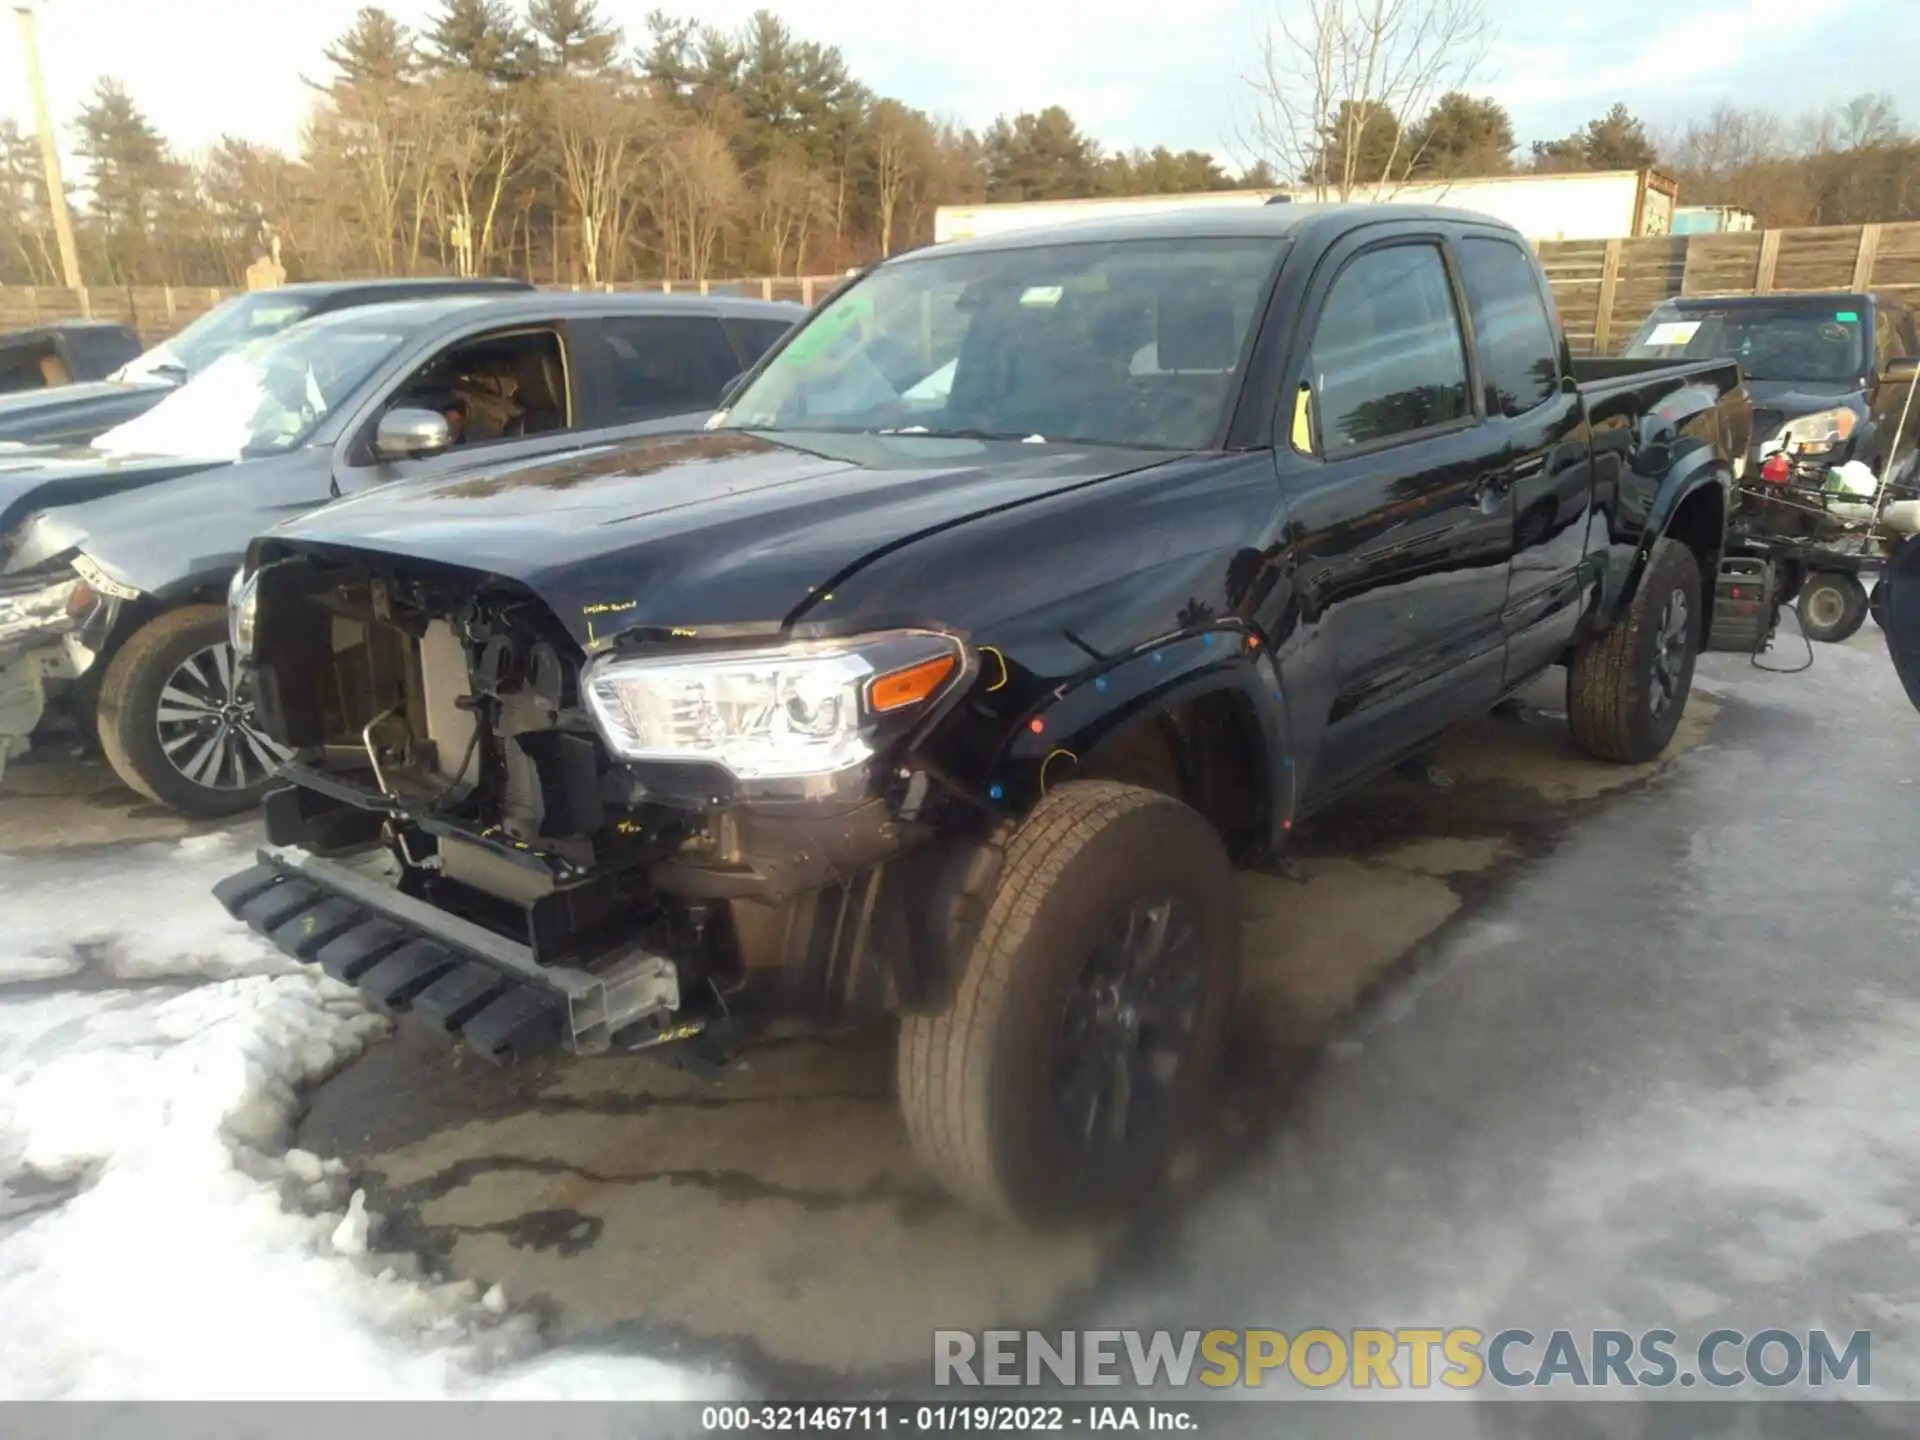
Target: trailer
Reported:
[(1601, 205), (1713, 220)]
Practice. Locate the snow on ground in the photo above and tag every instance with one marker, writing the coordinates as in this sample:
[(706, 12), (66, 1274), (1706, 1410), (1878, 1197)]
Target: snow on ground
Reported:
[(163, 1240)]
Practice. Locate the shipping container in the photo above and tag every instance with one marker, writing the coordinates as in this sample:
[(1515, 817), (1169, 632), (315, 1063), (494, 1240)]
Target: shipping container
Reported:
[(1713, 220), (1599, 205)]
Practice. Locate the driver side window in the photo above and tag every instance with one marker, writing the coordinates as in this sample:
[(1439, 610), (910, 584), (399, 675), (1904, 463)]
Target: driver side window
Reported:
[(503, 386)]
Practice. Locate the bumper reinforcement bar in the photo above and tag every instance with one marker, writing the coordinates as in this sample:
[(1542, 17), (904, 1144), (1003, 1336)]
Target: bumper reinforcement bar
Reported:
[(407, 955)]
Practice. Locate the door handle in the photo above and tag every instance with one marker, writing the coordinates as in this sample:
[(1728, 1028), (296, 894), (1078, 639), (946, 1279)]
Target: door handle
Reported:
[(1527, 469)]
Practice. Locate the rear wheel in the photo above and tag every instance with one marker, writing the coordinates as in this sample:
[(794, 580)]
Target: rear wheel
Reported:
[(1833, 606), (1627, 686), (1876, 605), (176, 717), (1084, 1033)]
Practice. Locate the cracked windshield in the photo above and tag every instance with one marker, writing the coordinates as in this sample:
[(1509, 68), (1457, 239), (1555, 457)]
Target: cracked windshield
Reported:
[(905, 722)]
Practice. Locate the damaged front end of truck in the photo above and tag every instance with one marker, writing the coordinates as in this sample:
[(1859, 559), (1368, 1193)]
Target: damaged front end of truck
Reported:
[(538, 844)]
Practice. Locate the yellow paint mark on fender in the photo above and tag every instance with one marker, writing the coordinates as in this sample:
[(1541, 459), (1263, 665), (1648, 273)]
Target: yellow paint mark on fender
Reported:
[(608, 607), (1051, 757), (681, 632), (1001, 683)]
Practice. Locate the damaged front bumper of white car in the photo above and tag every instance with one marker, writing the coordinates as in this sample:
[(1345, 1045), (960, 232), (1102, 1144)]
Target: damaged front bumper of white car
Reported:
[(45, 614)]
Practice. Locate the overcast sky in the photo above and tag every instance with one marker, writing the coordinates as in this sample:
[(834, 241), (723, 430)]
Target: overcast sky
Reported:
[(1128, 71)]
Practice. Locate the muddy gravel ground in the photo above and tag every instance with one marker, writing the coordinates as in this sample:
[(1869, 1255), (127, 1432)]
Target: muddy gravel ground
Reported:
[(773, 1217)]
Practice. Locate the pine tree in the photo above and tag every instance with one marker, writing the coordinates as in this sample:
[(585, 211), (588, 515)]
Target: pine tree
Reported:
[(377, 49), (480, 36), (571, 37), (135, 180)]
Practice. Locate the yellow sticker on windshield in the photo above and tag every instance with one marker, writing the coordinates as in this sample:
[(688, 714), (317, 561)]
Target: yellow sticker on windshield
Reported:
[(1674, 332)]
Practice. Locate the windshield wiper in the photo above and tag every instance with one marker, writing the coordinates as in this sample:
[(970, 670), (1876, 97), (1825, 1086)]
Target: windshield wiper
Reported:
[(965, 434)]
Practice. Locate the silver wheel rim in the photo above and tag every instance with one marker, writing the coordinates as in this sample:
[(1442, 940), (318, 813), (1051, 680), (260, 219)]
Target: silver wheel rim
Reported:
[(1825, 606), (1670, 652), (206, 726)]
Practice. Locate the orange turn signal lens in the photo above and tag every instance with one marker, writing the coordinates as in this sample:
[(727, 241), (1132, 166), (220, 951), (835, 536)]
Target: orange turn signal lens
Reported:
[(910, 686)]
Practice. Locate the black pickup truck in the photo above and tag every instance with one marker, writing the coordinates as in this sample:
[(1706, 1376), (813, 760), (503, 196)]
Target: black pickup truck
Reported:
[(1016, 598), (63, 353)]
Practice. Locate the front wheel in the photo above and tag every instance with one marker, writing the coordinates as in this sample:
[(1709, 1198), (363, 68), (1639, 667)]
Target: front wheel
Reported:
[(1084, 1033), (1832, 607), (1628, 685), (176, 717)]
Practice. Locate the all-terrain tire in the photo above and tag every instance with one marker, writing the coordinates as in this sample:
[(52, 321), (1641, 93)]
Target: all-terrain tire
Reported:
[(1832, 606), (1876, 604), (1614, 678), (129, 709), (975, 1080)]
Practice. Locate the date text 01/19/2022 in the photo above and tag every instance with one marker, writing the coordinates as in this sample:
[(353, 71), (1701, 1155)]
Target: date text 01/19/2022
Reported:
[(945, 1419)]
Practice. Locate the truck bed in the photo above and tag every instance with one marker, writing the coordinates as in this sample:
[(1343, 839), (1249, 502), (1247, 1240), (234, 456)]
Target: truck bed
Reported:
[(1611, 374)]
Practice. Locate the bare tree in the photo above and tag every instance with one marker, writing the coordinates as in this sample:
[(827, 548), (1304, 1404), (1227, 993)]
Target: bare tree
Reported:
[(1727, 141), (1338, 83), (481, 138), (601, 136), (377, 139), (695, 194), (891, 142), (786, 193)]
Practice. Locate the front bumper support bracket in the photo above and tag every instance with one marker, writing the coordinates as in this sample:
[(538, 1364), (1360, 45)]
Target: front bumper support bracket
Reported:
[(407, 955)]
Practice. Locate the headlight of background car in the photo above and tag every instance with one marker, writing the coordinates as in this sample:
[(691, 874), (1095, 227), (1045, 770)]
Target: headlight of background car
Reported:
[(1822, 430), (243, 598), (798, 711)]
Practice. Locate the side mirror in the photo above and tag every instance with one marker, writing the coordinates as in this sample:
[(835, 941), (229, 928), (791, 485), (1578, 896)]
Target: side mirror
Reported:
[(731, 389), (1900, 369), (407, 434)]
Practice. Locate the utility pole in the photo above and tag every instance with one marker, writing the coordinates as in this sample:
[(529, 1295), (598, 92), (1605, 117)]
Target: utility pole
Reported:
[(49, 146)]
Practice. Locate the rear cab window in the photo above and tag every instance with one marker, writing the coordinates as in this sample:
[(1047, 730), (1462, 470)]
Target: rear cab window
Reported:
[(666, 365), (1519, 359)]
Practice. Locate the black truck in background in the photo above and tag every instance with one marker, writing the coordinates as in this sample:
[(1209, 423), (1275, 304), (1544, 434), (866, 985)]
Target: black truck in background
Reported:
[(1831, 375), (62, 353), (1030, 587)]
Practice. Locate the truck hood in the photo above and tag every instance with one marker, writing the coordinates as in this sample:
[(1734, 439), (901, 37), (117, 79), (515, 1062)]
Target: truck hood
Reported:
[(36, 478), (1791, 399), (716, 530), (74, 413)]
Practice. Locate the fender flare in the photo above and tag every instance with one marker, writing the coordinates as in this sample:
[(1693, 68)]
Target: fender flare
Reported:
[(1682, 483), (1069, 721)]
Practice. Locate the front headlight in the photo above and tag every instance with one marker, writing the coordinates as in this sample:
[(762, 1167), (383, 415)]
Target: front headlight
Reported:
[(1822, 430), (798, 711), (243, 599)]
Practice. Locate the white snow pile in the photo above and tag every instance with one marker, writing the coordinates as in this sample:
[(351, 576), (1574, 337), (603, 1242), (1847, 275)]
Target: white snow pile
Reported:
[(157, 1238)]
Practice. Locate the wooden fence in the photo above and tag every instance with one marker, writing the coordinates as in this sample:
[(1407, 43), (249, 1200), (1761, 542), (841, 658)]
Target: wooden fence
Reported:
[(1604, 288)]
